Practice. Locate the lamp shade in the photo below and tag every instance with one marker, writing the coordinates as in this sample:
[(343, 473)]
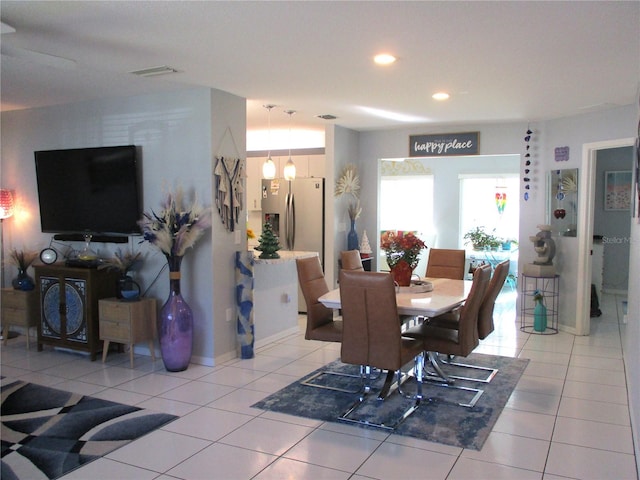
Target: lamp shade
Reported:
[(6, 203), (290, 170), (269, 169)]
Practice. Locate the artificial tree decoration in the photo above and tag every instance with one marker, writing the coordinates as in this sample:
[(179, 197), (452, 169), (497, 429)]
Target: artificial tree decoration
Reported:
[(268, 243)]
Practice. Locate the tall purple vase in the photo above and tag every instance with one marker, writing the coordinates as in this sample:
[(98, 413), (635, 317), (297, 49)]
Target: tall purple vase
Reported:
[(175, 323)]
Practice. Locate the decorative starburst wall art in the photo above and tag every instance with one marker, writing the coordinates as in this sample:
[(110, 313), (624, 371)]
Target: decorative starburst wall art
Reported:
[(349, 182)]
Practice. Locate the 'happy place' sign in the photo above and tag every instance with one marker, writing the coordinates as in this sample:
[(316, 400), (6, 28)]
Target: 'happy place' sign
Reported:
[(443, 144)]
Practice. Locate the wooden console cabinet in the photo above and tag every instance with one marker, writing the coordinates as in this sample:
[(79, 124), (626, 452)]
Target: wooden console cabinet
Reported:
[(69, 306)]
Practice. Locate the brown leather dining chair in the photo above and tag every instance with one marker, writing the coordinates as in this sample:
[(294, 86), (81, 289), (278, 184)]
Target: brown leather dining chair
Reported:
[(350, 260), (446, 263), (486, 322), (371, 337), (460, 342), (321, 322)]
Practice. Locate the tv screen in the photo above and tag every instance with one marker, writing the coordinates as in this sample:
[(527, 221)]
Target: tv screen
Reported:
[(91, 190)]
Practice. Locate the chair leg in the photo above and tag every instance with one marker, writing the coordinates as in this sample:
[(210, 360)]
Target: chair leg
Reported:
[(309, 381), (443, 380), (492, 371), (346, 417)]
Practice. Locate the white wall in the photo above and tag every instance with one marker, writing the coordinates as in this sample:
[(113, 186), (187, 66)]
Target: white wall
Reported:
[(573, 132), (179, 133)]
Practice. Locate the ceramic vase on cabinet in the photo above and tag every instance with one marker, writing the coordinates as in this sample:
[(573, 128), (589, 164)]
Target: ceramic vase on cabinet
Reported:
[(23, 281)]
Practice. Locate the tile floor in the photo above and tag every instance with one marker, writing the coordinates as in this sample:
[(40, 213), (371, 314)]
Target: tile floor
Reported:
[(567, 418)]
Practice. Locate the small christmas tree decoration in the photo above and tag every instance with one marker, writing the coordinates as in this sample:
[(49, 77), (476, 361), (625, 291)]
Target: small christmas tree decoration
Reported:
[(268, 243), (365, 246)]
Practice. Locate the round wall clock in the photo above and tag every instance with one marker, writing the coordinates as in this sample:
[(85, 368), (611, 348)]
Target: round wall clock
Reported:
[(48, 256)]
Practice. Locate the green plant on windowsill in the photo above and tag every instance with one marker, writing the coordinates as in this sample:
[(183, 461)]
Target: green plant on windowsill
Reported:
[(481, 240)]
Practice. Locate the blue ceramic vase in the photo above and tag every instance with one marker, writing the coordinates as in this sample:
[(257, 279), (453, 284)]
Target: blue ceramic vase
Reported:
[(352, 237), (23, 281)]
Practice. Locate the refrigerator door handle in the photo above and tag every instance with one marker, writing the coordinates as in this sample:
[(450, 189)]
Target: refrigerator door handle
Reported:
[(292, 230), (290, 221)]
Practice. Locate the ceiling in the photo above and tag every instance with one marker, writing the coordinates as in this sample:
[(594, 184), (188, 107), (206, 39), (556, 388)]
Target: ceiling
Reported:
[(500, 61)]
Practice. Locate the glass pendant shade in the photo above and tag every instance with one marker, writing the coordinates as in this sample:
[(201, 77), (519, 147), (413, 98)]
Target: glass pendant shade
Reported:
[(269, 169), (290, 170), (6, 203)]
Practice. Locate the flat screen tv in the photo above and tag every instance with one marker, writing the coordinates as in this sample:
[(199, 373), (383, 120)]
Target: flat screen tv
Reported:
[(89, 190)]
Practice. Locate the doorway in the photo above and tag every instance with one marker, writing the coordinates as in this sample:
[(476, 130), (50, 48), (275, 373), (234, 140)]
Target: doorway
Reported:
[(588, 175)]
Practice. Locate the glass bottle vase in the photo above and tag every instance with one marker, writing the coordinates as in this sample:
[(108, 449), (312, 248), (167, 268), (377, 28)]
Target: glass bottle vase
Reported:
[(539, 317), (352, 237), (175, 323)]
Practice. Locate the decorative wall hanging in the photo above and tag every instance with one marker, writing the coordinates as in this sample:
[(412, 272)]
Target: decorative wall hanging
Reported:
[(349, 182), (561, 154), (617, 190), (229, 174), (527, 164)]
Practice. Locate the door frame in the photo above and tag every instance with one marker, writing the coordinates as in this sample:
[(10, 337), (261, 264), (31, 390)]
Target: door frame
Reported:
[(586, 207)]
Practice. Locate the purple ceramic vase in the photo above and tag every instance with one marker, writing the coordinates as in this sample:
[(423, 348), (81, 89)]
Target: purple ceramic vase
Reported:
[(175, 323)]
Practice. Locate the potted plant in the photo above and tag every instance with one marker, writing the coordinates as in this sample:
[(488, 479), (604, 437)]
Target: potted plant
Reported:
[(480, 239), (127, 288), (507, 242), (22, 260)]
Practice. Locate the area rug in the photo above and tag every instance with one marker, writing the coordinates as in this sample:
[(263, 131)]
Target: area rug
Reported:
[(46, 433), (439, 419)]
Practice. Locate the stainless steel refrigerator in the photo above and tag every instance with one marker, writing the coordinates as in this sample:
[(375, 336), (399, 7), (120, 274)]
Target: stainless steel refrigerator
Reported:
[(295, 210)]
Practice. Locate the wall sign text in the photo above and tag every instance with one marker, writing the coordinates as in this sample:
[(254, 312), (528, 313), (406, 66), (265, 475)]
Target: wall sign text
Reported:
[(444, 144)]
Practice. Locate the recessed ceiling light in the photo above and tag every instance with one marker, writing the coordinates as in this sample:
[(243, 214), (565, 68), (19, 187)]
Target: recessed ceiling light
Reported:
[(384, 59), (440, 96)]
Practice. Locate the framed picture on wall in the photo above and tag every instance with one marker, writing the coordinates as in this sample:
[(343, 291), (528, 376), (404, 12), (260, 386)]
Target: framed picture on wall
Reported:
[(617, 190)]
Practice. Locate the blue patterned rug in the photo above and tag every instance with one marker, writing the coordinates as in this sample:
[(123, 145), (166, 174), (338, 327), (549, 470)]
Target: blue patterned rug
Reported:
[(439, 419), (46, 433)]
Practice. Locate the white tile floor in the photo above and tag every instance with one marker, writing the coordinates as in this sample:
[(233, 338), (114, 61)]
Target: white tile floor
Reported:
[(567, 418)]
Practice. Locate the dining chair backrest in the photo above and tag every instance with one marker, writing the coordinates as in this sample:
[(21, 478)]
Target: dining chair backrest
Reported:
[(313, 286), (468, 323), (350, 260), (371, 326), (446, 263), (485, 314)]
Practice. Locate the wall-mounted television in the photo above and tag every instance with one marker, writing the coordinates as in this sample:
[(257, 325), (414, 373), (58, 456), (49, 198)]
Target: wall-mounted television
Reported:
[(89, 190)]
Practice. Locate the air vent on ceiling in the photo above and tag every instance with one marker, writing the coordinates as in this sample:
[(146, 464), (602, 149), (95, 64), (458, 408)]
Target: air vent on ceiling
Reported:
[(327, 116), (152, 71)]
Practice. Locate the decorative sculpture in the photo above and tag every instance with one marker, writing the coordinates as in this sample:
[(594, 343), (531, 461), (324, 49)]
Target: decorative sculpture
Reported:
[(545, 247)]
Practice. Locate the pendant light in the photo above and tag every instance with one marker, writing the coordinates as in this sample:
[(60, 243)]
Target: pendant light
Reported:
[(268, 167), (290, 167)]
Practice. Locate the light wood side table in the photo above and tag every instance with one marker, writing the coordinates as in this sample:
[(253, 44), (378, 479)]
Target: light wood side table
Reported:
[(128, 323), (19, 308)]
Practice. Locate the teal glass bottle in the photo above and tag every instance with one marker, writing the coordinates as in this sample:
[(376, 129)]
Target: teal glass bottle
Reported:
[(539, 316)]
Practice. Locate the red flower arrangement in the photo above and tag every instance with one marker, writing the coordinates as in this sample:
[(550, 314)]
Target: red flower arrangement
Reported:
[(401, 246)]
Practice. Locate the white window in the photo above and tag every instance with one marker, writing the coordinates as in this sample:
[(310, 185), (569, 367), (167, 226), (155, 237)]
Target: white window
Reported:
[(406, 203), (491, 202)]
